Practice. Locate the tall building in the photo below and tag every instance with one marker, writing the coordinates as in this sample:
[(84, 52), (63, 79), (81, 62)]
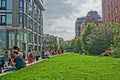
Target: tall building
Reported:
[(21, 24), (78, 25), (111, 11), (93, 15)]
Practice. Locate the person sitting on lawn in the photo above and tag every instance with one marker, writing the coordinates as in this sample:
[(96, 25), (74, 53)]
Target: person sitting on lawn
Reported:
[(17, 62)]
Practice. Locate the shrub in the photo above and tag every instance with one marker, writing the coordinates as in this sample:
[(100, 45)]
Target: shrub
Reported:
[(116, 53)]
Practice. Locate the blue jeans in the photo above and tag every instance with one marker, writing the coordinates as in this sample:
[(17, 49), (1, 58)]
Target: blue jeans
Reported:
[(11, 69)]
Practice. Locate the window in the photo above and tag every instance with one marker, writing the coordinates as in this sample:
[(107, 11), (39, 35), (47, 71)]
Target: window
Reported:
[(30, 37), (30, 24), (108, 6), (20, 5), (116, 19), (21, 20), (116, 10), (25, 6), (2, 40), (25, 21), (9, 4), (115, 1), (35, 38), (3, 3), (30, 12), (9, 19), (111, 3), (2, 20)]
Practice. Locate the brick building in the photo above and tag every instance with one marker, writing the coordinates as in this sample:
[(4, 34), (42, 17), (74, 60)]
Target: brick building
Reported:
[(111, 11)]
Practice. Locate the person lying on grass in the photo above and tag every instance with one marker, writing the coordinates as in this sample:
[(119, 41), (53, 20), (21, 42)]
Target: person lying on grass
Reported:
[(17, 62)]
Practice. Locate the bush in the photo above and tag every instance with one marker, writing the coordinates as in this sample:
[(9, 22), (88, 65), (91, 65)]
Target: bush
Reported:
[(116, 41), (116, 53)]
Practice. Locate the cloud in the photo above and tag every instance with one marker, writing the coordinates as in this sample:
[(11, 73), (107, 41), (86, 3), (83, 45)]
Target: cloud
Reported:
[(60, 15)]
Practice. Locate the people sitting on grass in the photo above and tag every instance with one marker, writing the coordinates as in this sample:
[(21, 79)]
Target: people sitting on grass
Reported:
[(5, 58), (17, 62), (106, 52), (37, 55), (30, 56)]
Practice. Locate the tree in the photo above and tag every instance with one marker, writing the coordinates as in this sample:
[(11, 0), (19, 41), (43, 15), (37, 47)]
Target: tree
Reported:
[(76, 44), (96, 38)]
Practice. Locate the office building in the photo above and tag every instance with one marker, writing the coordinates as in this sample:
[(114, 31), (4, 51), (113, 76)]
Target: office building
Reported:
[(93, 15), (21, 24), (78, 24)]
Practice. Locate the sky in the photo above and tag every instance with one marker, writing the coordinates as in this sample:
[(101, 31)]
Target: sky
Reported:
[(60, 15)]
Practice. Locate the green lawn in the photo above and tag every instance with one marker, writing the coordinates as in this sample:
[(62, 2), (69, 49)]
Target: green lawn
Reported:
[(70, 67)]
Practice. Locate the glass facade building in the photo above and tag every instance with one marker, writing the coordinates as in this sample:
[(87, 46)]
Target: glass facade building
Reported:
[(21, 24)]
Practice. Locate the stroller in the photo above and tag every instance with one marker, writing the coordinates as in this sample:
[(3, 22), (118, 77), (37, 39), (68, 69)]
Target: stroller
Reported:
[(1, 62)]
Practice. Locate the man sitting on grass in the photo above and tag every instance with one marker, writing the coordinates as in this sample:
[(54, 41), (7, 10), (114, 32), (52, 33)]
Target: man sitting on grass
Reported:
[(17, 62)]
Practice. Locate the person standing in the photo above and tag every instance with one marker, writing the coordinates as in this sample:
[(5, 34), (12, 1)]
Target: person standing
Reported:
[(30, 56)]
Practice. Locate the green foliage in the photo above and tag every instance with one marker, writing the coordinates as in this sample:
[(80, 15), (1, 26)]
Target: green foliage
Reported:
[(116, 41), (96, 38), (65, 45), (76, 44), (116, 53), (70, 67)]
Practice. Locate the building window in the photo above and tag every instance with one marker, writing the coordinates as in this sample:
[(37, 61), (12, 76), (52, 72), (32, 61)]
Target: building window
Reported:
[(2, 19), (21, 20), (9, 4), (30, 24), (3, 3), (25, 6), (2, 40), (25, 21), (21, 5), (116, 19), (111, 3), (30, 10), (30, 37), (9, 19), (108, 6), (116, 10), (115, 1)]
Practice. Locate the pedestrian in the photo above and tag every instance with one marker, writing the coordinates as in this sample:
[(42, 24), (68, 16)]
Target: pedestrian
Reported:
[(43, 54), (30, 56), (6, 59), (37, 55), (20, 53)]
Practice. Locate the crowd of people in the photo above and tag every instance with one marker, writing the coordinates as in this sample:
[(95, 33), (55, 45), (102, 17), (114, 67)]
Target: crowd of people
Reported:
[(16, 58)]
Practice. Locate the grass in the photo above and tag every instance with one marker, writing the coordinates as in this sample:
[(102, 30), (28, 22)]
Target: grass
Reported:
[(70, 67)]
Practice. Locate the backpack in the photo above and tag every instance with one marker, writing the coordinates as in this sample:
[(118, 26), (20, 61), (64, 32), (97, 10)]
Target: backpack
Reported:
[(30, 55)]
